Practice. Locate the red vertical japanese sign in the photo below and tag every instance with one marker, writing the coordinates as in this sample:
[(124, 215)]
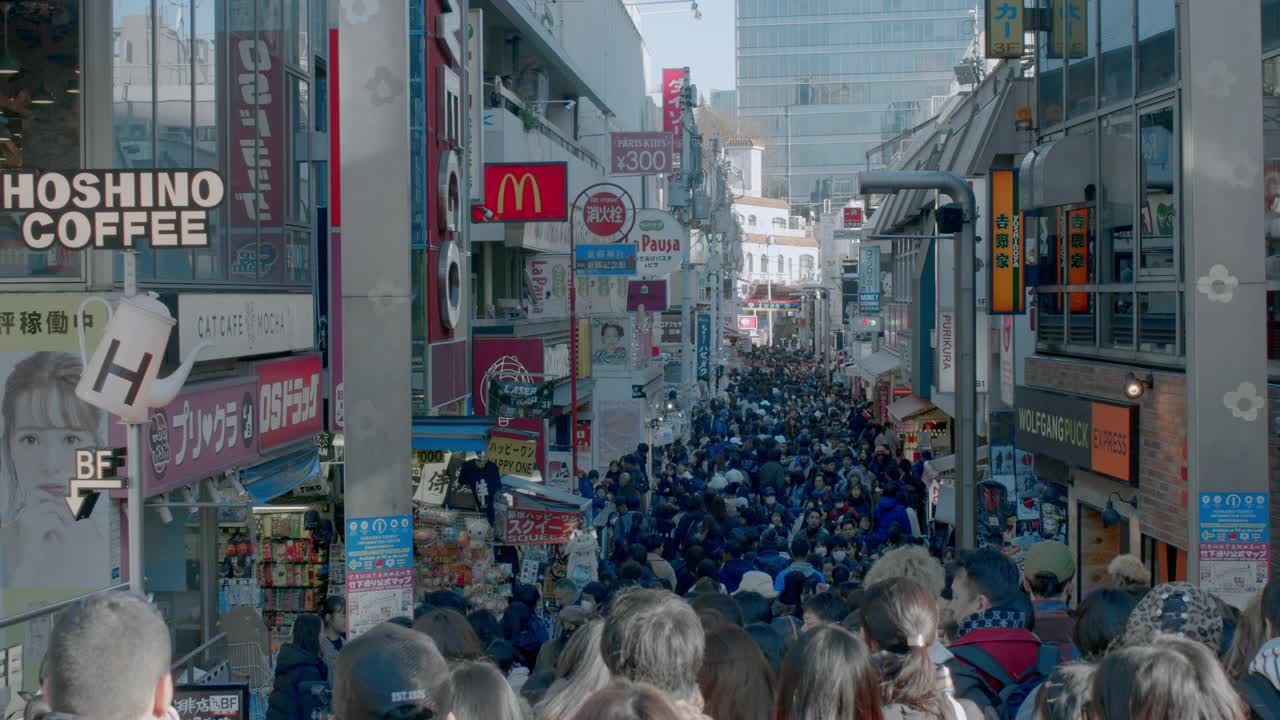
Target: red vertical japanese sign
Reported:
[(1075, 270), (673, 81)]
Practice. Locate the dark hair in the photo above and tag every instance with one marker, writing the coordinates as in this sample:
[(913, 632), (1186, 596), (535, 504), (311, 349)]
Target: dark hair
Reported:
[(332, 605), (1047, 585), (403, 621), (486, 626), (1100, 621), (615, 326), (654, 636), (477, 691), (451, 633), (828, 674), (631, 570), (638, 553), (597, 591), (306, 633), (799, 548), (755, 607), (726, 606), (771, 643), (992, 574), (1271, 604), (900, 618), (1172, 677), (828, 606), (502, 653), (623, 700), (707, 568), (442, 599), (735, 677)]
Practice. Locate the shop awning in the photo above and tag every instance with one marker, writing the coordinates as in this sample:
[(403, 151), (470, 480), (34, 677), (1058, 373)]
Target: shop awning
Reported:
[(876, 364), (940, 466), (271, 479), (454, 434), (909, 407), (543, 496)]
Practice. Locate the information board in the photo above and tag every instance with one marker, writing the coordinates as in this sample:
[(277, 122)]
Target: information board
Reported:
[(1234, 545)]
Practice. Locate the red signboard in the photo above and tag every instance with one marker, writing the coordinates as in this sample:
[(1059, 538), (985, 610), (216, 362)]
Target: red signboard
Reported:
[(748, 322), (641, 153), (672, 90), (604, 213), (539, 527), (853, 217), (289, 400), (649, 295), (526, 192), (517, 359)]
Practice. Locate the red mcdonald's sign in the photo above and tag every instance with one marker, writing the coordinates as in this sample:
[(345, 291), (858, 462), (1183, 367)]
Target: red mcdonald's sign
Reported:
[(526, 192)]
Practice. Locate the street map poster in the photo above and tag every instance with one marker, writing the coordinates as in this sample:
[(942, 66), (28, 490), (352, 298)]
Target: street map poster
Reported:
[(379, 571), (1235, 545)]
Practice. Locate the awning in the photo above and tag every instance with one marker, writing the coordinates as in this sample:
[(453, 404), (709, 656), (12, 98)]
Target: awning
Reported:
[(940, 466), (878, 363), (909, 407), (454, 434), (542, 496), (274, 478), (1058, 172)]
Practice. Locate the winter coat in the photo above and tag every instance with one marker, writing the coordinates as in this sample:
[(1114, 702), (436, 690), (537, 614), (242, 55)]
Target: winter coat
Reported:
[(888, 512), (732, 572), (804, 568), (289, 700), (772, 563)]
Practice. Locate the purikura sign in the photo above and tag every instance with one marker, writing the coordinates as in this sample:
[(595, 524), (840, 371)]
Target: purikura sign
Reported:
[(659, 243)]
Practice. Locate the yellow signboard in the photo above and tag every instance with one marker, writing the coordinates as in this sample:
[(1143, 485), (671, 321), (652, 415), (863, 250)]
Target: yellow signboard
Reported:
[(1005, 28), (46, 322), (1069, 25), (512, 456)]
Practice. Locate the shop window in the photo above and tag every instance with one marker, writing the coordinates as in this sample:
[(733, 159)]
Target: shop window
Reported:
[(1116, 38), (40, 120), (1158, 322), (209, 263), (1081, 88), (1158, 206), (1157, 45), (1118, 322)]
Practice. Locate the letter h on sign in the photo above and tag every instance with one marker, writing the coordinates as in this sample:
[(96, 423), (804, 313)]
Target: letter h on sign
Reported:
[(132, 376)]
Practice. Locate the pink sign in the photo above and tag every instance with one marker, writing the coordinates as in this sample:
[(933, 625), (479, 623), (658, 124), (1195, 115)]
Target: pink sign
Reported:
[(289, 400), (539, 527), (646, 295), (211, 427), (672, 92), (641, 153)]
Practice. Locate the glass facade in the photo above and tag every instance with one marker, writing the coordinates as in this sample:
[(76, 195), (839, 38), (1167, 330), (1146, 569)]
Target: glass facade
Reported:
[(825, 81), (225, 84)]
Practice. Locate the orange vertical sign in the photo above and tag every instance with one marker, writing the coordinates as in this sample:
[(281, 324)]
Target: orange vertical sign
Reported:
[(1075, 270), (1008, 276)]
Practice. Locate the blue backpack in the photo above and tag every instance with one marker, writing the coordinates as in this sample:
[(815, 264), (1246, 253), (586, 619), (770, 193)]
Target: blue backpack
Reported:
[(972, 662)]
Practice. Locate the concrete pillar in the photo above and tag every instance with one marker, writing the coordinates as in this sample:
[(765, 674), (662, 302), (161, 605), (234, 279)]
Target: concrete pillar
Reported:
[(374, 105), (1223, 242)]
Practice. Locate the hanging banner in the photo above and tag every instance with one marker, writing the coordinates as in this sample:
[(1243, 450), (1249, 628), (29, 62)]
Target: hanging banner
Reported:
[(1004, 29), (1008, 277), (524, 526), (517, 399), (610, 344), (673, 80), (435, 471), (1075, 271), (646, 295), (869, 279), (512, 456), (548, 280), (659, 242), (704, 347)]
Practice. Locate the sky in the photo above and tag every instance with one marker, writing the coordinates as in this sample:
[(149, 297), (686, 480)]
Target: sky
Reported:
[(675, 39)]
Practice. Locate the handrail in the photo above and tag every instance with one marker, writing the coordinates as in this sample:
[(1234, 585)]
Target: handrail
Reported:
[(52, 608), (180, 662)]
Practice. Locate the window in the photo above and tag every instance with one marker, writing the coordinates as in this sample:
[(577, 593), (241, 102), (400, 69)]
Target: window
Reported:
[(806, 267), (778, 222), (781, 267), (751, 220), (1082, 38), (791, 268), (764, 264), (1116, 36), (1157, 51), (751, 263)]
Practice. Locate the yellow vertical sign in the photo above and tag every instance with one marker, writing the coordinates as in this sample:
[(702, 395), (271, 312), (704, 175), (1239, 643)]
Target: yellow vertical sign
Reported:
[(1005, 28), (1008, 275), (1070, 27), (583, 361)]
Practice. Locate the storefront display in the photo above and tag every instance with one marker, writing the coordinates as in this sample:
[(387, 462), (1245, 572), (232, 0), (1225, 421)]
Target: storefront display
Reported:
[(454, 550)]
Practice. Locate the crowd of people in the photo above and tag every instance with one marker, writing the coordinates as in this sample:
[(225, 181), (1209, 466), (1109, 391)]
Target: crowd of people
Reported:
[(775, 567)]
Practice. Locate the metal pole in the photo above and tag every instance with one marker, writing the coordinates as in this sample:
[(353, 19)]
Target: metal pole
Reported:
[(887, 182), (133, 459), (573, 347)]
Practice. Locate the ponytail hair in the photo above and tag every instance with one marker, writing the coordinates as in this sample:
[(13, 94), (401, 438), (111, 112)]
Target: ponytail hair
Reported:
[(901, 621)]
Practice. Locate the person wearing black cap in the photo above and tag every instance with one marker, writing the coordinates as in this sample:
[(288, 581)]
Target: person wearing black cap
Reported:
[(390, 672)]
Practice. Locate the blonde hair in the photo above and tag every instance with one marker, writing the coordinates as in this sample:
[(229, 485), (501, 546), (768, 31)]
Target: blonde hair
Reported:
[(1127, 572), (912, 561)]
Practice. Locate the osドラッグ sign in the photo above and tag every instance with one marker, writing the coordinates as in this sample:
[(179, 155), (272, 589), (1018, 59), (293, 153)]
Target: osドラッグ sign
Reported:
[(113, 209)]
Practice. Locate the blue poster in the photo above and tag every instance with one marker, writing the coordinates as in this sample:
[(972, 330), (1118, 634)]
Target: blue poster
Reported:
[(610, 259), (704, 347), (1234, 518), (379, 543), (869, 279)]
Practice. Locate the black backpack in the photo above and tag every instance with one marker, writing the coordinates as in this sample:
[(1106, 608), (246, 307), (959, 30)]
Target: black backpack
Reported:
[(971, 662), (1263, 697)]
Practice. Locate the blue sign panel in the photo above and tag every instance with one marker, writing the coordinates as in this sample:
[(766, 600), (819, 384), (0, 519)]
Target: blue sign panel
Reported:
[(869, 279), (379, 543), (704, 347), (1234, 518), (611, 259)]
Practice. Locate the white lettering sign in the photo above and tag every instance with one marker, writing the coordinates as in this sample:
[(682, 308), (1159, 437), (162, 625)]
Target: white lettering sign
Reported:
[(245, 325)]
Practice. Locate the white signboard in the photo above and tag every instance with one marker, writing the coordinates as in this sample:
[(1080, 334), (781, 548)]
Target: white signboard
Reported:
[(659, 243), (948, 351), (245, 325), (1007, 378), (548, 280), (559, 471)]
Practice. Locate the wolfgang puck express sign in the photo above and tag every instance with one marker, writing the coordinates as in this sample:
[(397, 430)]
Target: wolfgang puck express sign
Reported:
[(1091, 434), (113, 209)]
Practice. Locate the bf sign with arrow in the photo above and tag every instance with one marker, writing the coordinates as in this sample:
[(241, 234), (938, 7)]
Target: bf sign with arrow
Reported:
[(95, 471)]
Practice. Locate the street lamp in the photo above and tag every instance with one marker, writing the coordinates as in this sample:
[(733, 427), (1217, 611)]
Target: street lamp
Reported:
[(885, 182)]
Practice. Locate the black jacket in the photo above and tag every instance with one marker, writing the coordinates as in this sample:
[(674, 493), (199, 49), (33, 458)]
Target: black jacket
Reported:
[(289, 699)]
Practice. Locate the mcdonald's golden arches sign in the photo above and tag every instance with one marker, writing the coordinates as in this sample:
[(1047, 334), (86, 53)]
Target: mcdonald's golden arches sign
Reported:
[(527, 192)]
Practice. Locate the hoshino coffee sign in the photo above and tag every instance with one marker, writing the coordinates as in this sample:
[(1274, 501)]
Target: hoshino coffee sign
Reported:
[(113, 209)]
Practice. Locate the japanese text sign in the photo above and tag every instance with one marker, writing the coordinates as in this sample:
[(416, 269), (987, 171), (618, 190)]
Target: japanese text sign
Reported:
[(379, 543), (1075, 268), (513, 456), (611, 259), (206, 702), (1234, 544), (1069, 26), (704, 346), (289, 400), (673, 80), (527, 192), (1234, 517), (853, 217), (659, 241), (1008, 276), (210, 427), (1005, 28), (641, 153), (376, 596), (47, 322), (669, 326), (539, 527), (869, 279)]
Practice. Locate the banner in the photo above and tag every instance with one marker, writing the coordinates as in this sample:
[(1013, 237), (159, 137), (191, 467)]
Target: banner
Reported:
[(513, 456), (1075, 269), (852, 217), (658, 239), (611, 346), (582, 444), (869, 279), (1008, 277), (672, 89), (548, 280), (704, 347), (289, 400), (435, 471), (748, 322), (524, 526), (516, 399)]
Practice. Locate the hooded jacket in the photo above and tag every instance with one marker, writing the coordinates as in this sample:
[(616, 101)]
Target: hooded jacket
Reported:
[(804, 568), (294, 666), (888, 512)]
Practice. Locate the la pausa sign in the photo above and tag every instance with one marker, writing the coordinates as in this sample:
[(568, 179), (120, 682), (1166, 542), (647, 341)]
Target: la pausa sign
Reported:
[(113, 209)]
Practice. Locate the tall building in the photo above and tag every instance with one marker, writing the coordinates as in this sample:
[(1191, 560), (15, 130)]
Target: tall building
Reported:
[(827, 81)]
